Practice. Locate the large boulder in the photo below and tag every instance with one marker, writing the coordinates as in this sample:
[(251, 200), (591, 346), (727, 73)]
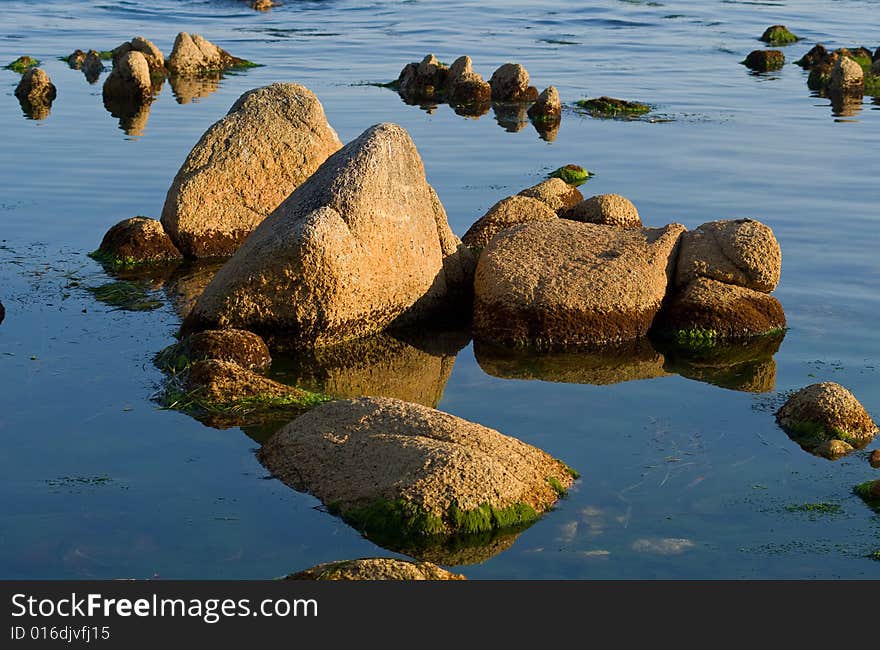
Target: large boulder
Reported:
[(244, 166), (403, 470), (607, 209), (556, 193), (707, 311), (129, 81), (826, 411), (743, 252), (376, 568), (362, 245), (562, 283), (134, 241), (153, 55), (506, 213), (194, 54)]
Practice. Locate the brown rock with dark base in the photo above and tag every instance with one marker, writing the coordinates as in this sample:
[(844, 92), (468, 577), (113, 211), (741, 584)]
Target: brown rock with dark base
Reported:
[(376, 569), (194, 54), (129, 81), (874, 459), (765, 60), (607, 209), (35, 92), (223, 382), (560, 283), (817, 54), (847, 77), (75, 59), (506, 213), (827, 411), (153, 55), (465, 87), (548, 106), (743, 252), (708, 308), (556, 193), (363, 244), (424, 80), (244, 166), (510, 83), (243, 348), (137, 240)]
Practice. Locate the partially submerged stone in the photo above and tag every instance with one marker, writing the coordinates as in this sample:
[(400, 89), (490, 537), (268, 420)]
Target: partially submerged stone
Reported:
[(826, 411), (399, 471), (22, 64), (464, 87), (870, 493), (423, 81), (764, 60), (261, 5), (556, 193), (571, 174), (240, 347), (271, 140), (510, 83), (874, 459), (708, 311), (75, 59), (35, 92), (129, 81), (817, 54), (613, 107), (847, 77), (153, 55), (376, 569), (607, 209), (778, 35), (194, 54), (507, 212), (548, 106), (135, 241), (560, 283), (743, 252), (833, 449), (362, 245)]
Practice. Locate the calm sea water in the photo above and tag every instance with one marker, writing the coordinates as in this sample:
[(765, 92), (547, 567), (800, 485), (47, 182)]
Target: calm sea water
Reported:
[(681, 478)]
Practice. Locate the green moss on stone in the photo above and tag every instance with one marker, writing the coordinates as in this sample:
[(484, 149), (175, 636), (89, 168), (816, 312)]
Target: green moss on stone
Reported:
[(818, 79), (194, 403), (779, 35), (872, 84), (864, 61), (764, 60), (127, 296), (821, 508), (612, 107), (864, 491), (22, 64), (105, 55), (113, 262), (819, 432), (571, 174), (572, 472), (554, 483)]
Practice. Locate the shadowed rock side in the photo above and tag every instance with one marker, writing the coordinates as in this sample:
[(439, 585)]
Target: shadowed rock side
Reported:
[(375, 569), (559, 283), (35, 93), (244, 166), (826, 419), (242, 348), (361, 246), (404, 474), (743, 365), (382, 365), (764, 60), (611, 364), (188, 282), (135, 241)]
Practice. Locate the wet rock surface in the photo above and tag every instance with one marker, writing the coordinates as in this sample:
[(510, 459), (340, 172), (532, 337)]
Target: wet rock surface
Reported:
[(376, 569), (240, 347), (134, 241), (826, 411)]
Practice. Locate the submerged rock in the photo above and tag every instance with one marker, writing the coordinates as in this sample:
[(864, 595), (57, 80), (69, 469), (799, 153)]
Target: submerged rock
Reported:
[(560, 283), (188, 283), (765, 60), (22, 64), (240, 347), (826, 411), (743, 252), (510, 83), (506, 213), (612, 107), (2, 312), (129, 82), (397, 470), (870, 493), (271, 140), (376, 569), (224, 384), (153, 55), (571, 174), (135, 241), (708, 311), (363, 244), (607, 209), (778, 35), (35, 93), (194, 54), (874, 459), (548, 106), (556, 193)]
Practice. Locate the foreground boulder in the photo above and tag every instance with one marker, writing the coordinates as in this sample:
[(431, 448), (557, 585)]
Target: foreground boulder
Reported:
[(362, 245), (135, 241), (240, 347), (35, 93), (563, 283), (194, 54), (742, 252), (153, 55), (244, 166), (607, 209), (129, 81), (556, 193), (376, 569), (823, 412), (400, 470), (506, 213), (708, 311), (510, 83)]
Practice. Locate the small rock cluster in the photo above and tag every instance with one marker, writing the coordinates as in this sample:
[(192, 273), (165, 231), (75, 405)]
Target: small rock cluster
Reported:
[(842, 74)]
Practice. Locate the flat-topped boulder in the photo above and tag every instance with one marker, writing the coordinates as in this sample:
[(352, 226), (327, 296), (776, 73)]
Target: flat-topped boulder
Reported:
[(193, 54), (559, 283), (376, 568), (360, 246), (403, 470), (507, 212), (271, 140)]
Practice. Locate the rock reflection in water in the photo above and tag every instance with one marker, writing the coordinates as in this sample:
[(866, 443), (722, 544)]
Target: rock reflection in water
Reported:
[(132, 115), (188, 282), (454, 551), (189, 88), (511, 117)]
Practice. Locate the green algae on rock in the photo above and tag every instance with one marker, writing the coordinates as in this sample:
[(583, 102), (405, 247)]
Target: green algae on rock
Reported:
[(779, 35), (571, 174), (764, 60), (612, 107), (870, 493), (237, 346), (22, 64), (134, 241)]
